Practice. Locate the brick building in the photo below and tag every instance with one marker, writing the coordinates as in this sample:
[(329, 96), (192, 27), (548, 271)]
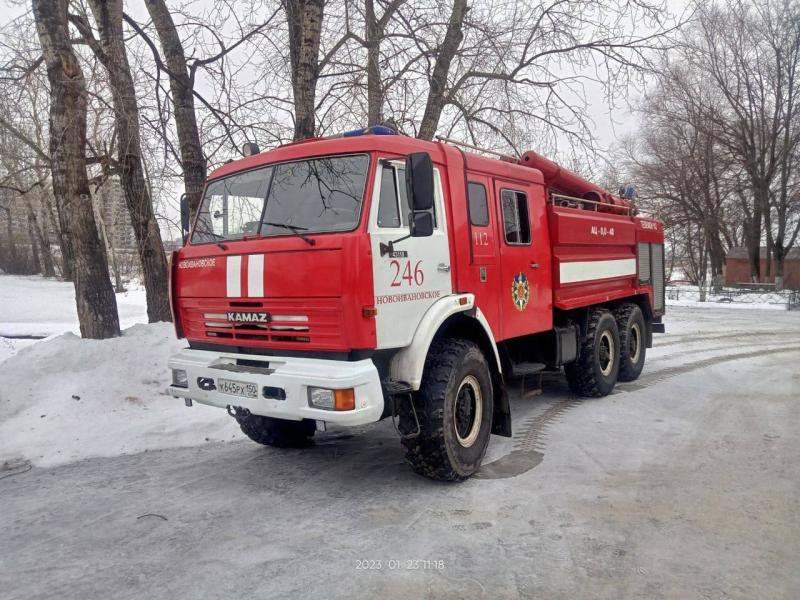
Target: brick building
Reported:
[(737, 267)]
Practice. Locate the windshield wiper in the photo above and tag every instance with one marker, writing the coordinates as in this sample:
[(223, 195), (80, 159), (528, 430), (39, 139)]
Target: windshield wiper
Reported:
[(217, 238), (295, 231)]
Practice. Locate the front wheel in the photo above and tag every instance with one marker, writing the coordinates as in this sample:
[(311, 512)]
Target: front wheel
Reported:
[(280, 433), (454, 407)]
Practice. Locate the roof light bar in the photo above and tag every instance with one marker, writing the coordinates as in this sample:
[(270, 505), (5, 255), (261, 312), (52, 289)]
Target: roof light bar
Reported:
[(374, 130)]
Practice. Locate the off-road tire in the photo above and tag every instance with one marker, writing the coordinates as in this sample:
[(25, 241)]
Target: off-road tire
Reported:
[(437, 452), (585, 376), (632, 344), (279, 433)]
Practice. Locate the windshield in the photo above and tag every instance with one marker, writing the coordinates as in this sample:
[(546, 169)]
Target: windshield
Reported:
[(307, 196)]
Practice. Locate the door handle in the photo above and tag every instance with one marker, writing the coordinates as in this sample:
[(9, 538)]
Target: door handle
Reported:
[(534, 265), (443, 268)]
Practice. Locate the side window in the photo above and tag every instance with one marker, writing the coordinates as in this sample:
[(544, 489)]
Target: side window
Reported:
[(405, 209), (388, 213), (393, 207), (478, 205), (516, 221)]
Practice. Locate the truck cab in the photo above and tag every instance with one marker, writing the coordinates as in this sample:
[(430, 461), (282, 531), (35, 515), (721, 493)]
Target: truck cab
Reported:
[(372, 275)]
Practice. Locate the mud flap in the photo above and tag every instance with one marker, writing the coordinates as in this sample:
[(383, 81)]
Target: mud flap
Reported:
[(501, 419)]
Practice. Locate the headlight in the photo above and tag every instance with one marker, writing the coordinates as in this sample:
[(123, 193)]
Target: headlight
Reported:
[(180, 378), (332, 399), (321, 398)]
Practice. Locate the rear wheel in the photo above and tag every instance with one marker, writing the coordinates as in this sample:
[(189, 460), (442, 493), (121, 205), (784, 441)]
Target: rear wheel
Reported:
[(594, 373), (630, 323), (454, 408), (275, 432)]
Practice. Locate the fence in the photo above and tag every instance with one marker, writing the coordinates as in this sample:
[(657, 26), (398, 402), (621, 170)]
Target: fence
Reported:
[(789, 299)]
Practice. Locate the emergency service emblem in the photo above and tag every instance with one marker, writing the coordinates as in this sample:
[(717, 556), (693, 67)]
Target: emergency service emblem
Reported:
[(520, 291)]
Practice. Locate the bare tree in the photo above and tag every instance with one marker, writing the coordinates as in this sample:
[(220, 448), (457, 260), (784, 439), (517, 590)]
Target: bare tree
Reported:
[(683, 171), (193, 162), (97, 306), (110, 51), (304, 18), (750, 52), (437, 96)]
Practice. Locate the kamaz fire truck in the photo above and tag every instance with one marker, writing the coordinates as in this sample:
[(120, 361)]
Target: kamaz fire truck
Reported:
[(371, 275)]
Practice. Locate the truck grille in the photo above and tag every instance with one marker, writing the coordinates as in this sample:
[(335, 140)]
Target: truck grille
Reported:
[(291, 323)]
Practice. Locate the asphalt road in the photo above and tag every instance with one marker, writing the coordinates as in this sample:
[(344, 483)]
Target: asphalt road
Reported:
[(684, 484)]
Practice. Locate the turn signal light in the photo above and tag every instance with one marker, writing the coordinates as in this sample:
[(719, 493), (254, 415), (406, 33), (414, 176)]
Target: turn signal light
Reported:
[(345, 399), (369, 311)]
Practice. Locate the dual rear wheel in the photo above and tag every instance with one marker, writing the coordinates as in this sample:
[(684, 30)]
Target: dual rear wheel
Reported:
[(612, 349)]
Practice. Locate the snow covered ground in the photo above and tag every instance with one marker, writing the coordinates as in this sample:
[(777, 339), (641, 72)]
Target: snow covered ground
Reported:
[(683, 484), (34, 306), (63, 398)]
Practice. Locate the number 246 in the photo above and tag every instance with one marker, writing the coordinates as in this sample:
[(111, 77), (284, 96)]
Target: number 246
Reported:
[(411, 278)]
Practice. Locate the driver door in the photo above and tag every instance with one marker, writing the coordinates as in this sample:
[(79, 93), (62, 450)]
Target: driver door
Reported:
[(408, 280)]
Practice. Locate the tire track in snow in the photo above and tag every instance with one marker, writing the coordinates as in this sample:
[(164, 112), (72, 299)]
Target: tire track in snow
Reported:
[(707, 349), (528, 451), (690, 339), (668, 372)]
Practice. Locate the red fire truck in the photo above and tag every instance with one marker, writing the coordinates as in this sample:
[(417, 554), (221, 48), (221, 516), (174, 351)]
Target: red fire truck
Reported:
[(345, 280)]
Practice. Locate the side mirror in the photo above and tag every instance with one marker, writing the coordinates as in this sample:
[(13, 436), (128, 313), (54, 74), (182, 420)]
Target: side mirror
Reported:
[(185, 220), (421, 224), (419, 180)]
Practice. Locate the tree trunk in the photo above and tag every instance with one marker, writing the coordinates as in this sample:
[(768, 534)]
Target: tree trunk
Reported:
[(438, 81), (753, 237), (64, 243), (194, 163), (12, 246), (97, 306), (374, 85), (716, 254), (768, 258), (48, 270), (108, 15), (36, 262), (780, 258), (304, 18), (110, 252)]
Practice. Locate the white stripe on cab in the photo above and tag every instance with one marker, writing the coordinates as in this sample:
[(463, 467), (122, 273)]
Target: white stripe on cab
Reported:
[(233, 276), (255, 276)]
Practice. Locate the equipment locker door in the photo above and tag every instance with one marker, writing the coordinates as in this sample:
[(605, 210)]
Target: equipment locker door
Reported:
[(525, 285)]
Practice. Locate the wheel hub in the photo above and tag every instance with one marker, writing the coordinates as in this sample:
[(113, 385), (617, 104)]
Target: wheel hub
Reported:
[(606, 353), (634, 343), (468, 411)]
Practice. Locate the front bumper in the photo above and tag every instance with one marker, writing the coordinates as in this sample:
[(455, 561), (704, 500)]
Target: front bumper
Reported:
[(292, 375)]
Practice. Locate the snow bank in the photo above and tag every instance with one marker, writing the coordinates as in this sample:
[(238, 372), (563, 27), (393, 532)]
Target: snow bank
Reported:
[(66, 398), (35, 306)]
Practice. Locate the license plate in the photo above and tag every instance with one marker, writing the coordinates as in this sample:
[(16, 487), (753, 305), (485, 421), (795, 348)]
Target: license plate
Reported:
[(237, 388)]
